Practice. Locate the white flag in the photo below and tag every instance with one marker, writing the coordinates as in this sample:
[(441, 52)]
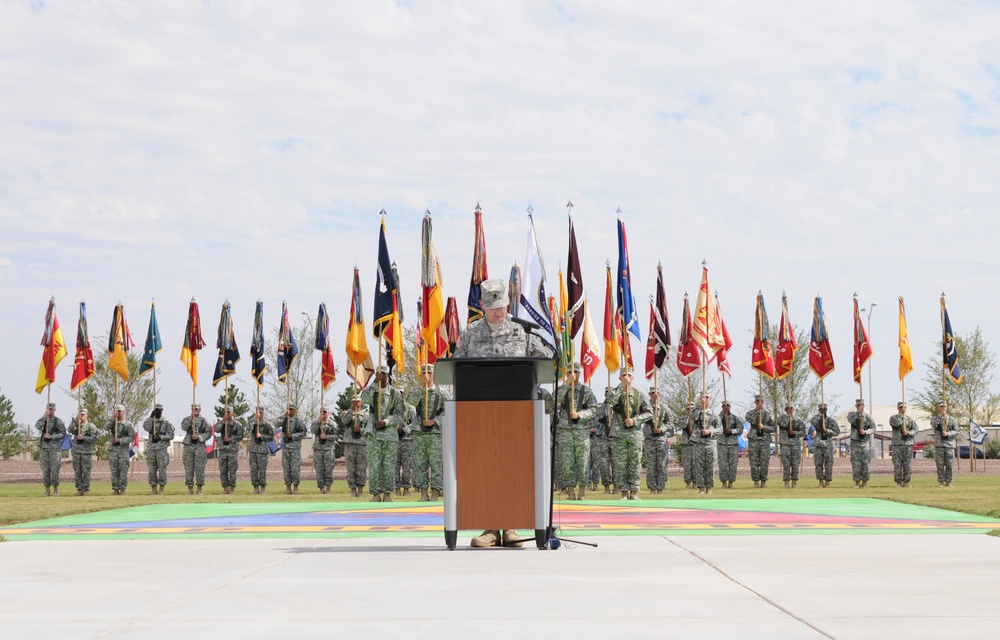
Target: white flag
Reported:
[(534, 302), (976, 433)]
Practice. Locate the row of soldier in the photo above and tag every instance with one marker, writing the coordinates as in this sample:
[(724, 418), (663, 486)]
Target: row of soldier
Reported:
[(391, 441)]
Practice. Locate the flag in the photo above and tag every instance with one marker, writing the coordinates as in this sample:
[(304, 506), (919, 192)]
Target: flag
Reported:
[(787, 344), (626, 301), (119, 343), (862, 348), (612, 358), (533, 298), (193, 342), (479, 271), (83, 367), (590, 354), (387, 311), (562, 323), (651, 343), (761, 359), (514, 291), (723, 358), (948, 346), (54, 348), (977, 435), (395, 340), (574, 285), (359, 360), (287, 347), (661, 330), (66, 443), (134, 450), (210, 445), (432, 299), (328, 367), (707, 332), (258, 365), (153, 344), (422, 354), (229, 353), (688, 351), (820, 353), (905, 357), (454, 331)]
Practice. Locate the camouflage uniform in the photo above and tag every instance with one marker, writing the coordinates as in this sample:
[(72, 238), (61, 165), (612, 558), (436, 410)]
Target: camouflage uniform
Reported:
[(759, 443), (600, 450), (84, 437), (790, 432), (404, 453), (259, 436), (118, 454), (50, 451), (573, 436), (158, 450), (684, 423), (228, 453), (861, 445), (626, 441), (510, 340), (293, 431), (944, 447), (902, 447), (324, 452), (824, 446), (194, 450), (729, 447), (355, 447), (657, 446), (703, 439), (427, 451), (383, 441)]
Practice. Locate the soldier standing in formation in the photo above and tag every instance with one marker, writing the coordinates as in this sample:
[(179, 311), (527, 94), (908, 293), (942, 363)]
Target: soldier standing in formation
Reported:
[(790, 432), (826, 428), (945, 434), (51, 430), (656, 443), (122, 435), (629, 410), (428, 402), (197, 431), (161, 432), (353, 422), (259, 452), (600, 448), (577, 408), (293, 430), (903, 431), (862, 428), (324, 449), (759, 442), (228, 434), (386, 413), (84, 436), (404, 452), (685, 426), (703, 440), (729, 445), (495, 336)]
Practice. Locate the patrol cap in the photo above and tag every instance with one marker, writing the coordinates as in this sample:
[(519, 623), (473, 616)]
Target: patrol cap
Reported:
[(822, 406), (494, 293), (788, 405), (158, 406), (384, 369), (84, 412), (757, 398), (900, 405), (625, 371), (576, 367), (942, 404), (324, 410), (293, 407), (859, 401), (427, 369), (120, 407), (51, 405), (726, 403), (196, 406)]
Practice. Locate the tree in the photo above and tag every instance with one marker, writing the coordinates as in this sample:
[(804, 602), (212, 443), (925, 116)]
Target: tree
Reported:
[(97, 395), (302, 386), (10, 433), (974, 397), (676, 390), (237, 401)]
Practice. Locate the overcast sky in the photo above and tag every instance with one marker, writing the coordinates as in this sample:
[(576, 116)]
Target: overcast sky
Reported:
[(242, 151)]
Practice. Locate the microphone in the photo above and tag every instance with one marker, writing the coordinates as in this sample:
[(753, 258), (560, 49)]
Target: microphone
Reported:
[(527, 324)]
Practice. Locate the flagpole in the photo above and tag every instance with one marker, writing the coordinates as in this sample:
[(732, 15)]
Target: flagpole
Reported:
[(378, 412)]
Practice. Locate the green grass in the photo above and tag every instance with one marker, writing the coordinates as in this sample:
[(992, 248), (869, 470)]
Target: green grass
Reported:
[(979, 495)]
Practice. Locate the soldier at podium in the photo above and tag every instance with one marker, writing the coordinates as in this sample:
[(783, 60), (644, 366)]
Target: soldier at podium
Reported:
[(493, 336)]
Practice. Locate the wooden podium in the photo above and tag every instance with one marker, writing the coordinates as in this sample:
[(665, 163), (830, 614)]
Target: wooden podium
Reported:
[(496, 444)]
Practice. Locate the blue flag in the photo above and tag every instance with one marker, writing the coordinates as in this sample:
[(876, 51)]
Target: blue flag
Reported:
[(385, 287), (67, 443), (259, 365), (626, 301), (153, 344), (229, 353)]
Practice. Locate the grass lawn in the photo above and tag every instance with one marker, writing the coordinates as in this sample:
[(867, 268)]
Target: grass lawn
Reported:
[(21, 502)]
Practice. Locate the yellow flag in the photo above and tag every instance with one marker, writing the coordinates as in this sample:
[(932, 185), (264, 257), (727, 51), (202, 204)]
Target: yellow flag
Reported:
[(905, 357), (119, 343), (55, 349)]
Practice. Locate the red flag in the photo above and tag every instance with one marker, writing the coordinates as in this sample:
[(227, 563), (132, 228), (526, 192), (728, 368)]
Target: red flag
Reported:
[(787, 344), (723, 358), (820, 354), (707, 332), (451, 323), (761, 359), (862, 348), (84, 366), (651, 344), (688, 352)]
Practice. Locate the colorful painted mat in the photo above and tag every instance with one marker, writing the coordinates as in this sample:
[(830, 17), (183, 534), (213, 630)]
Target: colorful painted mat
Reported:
[(588, 518)]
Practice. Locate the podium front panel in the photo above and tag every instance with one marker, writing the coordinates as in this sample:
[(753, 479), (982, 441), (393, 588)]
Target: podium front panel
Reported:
[(495, 464)]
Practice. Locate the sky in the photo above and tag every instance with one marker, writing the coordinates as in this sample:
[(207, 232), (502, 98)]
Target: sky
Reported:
[(242, 151)]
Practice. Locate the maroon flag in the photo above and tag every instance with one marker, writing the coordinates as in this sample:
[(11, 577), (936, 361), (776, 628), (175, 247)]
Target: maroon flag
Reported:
[(862, 348), (761, 359), (787, 344), (574, 284)]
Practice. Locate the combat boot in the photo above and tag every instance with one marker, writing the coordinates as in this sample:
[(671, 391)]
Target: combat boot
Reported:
[(48, 491), (288, 489), (154, 489), (583, 493), (190, 491), (386, 497), (633, 495), (708, 490), (607, 488), (864, 484), (511, 539), (263, 489), (570, 494), (488, 538), (423, 496), (295, 489), (593, 486), (199, 489), (55, 490), (795, 484), (786, 484), (162, 487), (79, 493), (435, 494), (756, 484), (376, 497), (701, 489), (399, 491), (906, 484), (624, 495), (406, 491), (857, 484), (225, 491), (256, 490)]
